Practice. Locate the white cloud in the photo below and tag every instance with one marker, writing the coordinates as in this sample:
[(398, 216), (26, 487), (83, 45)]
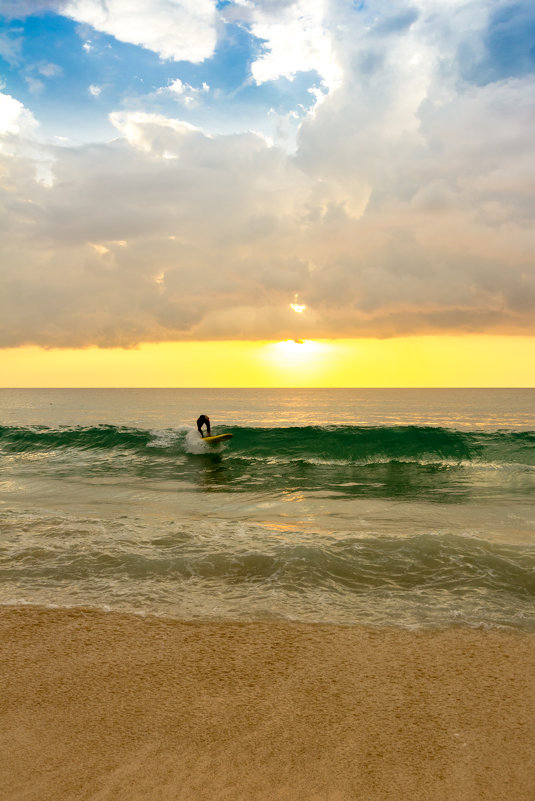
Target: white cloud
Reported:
[(50, 70), (34, 85), (21, 153), (10, 48), (177, 87), (296, 39), (180, 30), (151, 133), (184, 93), (18, 9), (94, 90), (15, 118)]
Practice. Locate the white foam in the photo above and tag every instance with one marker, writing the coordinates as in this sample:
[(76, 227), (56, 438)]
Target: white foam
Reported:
[(194, 442), (166, 437)]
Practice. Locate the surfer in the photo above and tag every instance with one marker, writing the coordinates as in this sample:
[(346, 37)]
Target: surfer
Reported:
[(203, 420)]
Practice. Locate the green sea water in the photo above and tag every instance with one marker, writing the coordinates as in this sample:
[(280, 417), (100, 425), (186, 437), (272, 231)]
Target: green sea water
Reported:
[(382, 507)]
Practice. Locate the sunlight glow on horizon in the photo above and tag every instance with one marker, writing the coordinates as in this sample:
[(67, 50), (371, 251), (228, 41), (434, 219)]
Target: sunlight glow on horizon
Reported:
[(427, 361), (297, 360)]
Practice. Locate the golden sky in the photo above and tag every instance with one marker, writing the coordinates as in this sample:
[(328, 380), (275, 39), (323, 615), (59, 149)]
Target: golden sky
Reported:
[(432, 361)]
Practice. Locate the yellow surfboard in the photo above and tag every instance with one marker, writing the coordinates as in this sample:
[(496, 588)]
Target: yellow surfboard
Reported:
[(217, 438)]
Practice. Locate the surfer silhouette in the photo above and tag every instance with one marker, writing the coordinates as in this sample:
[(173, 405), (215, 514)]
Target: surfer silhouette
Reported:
[(203, 420)]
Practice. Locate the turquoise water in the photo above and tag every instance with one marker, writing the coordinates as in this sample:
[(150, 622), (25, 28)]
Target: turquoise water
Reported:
[(383, 507)]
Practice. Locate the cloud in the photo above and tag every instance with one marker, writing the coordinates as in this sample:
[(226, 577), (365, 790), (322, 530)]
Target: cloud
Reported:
[(507, 47), (15, 120), (10, 48), (49, 70), (179, 30), (397, 22), (295, 39), (184, 93), (35, 86), (407, 207), (19, 9), (152, 133)]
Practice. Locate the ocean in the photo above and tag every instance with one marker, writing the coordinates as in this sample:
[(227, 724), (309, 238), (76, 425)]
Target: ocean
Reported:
[(408, 508)]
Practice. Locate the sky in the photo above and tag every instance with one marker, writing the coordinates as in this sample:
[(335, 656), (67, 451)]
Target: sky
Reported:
[(257, 192)]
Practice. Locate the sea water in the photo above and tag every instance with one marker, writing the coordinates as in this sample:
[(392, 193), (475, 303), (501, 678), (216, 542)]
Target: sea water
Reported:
[(410, 508)]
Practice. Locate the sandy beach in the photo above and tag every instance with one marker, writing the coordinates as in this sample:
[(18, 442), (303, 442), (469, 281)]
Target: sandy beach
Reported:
[(101, 706)]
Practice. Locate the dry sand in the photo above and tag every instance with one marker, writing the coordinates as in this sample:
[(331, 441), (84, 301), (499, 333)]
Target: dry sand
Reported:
[(106, 706)]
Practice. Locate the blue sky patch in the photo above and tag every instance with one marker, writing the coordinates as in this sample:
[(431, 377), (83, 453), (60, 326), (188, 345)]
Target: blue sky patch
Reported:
[(509, 46), (71, 77)]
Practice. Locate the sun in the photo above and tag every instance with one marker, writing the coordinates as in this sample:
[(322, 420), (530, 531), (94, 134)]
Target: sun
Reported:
[(296, 362), (296, 349)]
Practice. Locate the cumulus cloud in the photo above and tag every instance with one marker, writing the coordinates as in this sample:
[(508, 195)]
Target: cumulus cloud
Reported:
[(296, 38), (407, 207), (180, 30), (183, 92), (16, 122)]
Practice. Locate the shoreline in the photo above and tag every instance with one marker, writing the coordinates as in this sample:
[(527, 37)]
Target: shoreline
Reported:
[(106, 705)]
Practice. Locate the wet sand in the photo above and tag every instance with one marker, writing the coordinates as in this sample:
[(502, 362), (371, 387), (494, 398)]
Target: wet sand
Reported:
[(105, 706)]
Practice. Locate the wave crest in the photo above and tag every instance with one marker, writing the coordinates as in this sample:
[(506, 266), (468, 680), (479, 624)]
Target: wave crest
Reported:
[(362, 444)]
